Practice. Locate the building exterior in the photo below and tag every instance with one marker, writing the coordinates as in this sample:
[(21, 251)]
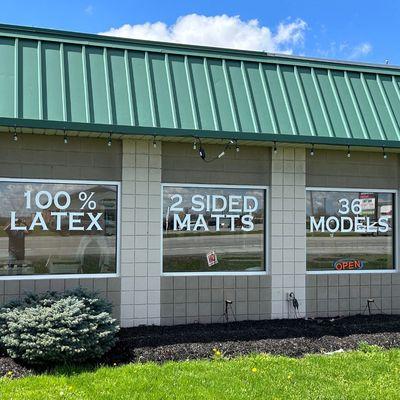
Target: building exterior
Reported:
[(190, 184)]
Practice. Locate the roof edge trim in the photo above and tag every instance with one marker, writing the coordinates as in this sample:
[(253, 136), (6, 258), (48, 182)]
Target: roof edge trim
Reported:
[(187, 133), (47, 34)]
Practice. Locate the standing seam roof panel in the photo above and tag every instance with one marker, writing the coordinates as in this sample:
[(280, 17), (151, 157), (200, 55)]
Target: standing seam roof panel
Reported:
[(315, 102), (260, 97), (94, 82), (140, 89), (243, 99), (181, 93), (333, 103), (7, 77), (52, 87), (119, 94)]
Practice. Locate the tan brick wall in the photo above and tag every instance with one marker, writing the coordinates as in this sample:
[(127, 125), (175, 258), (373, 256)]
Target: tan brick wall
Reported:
[(182, 164), (201, 299), (332, 168), (44, 156), (346, 294)]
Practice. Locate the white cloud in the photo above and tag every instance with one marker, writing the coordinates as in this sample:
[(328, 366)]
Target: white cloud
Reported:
[(89, 9), (346, 51), (220, 31), (360, 50)]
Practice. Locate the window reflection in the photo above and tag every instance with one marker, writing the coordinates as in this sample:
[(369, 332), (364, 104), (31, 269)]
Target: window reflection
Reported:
[(349, 230), (57, 228), (213, 229)]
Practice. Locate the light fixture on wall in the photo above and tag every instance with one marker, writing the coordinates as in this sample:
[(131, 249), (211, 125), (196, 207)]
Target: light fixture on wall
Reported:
[(384, 153), (202, 153), (312, 151), (228, 308), (220, 155), (348, 151), (109, 142), (228, 146)]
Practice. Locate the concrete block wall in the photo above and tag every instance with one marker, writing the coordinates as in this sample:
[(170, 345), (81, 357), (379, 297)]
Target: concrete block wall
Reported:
[(347, 293), (288, 253), (201, 299), (364, 169), (182, 164), (189, 299), (141, 233), (141, 295), (47, 157), (109, 288)]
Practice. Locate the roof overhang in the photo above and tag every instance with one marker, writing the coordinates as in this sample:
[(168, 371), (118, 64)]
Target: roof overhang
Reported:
[(66, 81)]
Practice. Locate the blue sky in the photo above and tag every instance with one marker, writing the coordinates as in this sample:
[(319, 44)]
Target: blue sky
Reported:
[(349, 30)]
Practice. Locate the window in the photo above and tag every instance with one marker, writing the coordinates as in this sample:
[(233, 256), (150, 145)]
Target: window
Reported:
[(350, 230), (209, 229), (58, 228)]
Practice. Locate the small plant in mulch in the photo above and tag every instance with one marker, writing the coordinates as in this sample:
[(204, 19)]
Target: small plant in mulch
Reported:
[(365, 347), (217, 354)]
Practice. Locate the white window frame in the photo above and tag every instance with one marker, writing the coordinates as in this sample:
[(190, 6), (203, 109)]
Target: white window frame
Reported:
[(267, 219), (73, 276), (395, 239)]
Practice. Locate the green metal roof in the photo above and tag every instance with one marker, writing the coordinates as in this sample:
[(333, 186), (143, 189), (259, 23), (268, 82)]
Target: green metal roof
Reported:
[(63, 80)]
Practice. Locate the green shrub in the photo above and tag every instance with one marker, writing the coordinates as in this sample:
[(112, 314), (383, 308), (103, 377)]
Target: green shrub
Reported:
[(56, 328)]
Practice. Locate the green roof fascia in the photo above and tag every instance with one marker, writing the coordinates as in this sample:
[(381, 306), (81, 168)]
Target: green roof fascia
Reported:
[(45, 34), (15, 123)]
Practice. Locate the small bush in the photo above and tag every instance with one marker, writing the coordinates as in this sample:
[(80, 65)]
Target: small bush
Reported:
[(56, 328)]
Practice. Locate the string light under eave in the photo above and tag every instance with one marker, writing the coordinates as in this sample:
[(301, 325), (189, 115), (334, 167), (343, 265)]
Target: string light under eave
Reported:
[(202, 152)]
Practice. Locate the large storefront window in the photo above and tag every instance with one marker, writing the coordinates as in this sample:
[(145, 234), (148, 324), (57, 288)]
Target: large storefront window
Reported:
[(58, 228), (210, 229), (350, 230)]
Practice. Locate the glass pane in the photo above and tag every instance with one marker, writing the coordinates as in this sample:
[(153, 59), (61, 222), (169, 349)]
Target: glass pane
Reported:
[(57, 228), (349, 230), (212, 229)]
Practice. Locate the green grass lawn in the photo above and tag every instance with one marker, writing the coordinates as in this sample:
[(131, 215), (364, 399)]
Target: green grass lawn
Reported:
[(371, 374)]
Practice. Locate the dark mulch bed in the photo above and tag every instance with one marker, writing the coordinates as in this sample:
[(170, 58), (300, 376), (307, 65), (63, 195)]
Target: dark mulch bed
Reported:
[(293, 338), (12, 369)]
